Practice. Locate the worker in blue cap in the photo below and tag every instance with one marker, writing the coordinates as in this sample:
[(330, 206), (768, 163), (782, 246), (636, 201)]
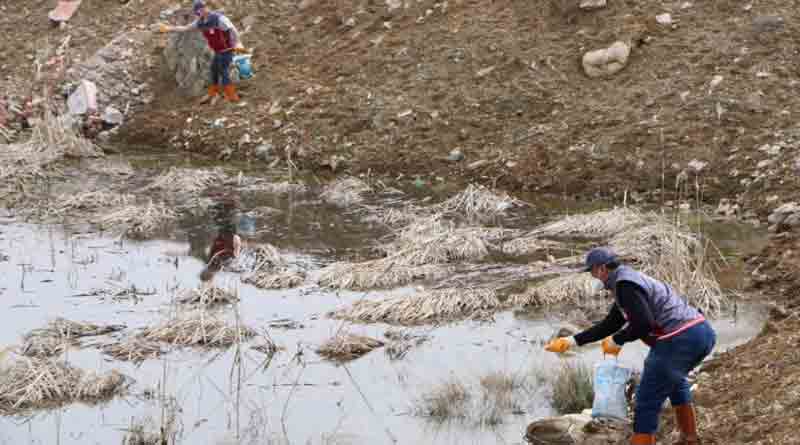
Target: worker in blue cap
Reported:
[(678, 335)]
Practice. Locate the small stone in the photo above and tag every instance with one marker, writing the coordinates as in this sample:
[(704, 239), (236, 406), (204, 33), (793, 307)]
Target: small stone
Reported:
[(767, 23), (484, 71), (350, 23), (455, 156), (477, 164), (606, 62), (393, 5), (588, 5), (697, 165), (264, 151), (715, 81), (112, 116), (792, 220), (245, 139), (664, 19)]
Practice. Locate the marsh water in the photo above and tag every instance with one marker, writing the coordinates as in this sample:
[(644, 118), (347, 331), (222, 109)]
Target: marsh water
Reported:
[(239, 395)]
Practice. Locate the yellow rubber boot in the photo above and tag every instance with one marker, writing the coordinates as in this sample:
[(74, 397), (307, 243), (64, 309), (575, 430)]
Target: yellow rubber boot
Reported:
[(643, 439), (230, 93), (213, 92), (687, 424)]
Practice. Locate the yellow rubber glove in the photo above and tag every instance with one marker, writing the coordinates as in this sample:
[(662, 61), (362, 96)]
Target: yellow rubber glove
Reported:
[(611, 348), (560, 345), (162, 28), (240, 50)]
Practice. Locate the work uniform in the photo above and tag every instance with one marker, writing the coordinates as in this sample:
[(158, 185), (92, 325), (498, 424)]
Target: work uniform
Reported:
[(222, 38), (678, 335)]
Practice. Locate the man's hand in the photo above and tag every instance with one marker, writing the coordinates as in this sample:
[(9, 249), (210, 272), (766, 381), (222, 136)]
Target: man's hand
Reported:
[(611, 348), (560, 345)]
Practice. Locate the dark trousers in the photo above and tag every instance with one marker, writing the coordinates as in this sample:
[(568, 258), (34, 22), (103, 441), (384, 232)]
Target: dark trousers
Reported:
[(665, 370), (220, 68)]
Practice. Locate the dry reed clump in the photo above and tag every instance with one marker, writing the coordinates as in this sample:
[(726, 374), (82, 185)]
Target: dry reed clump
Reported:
[(208, 296), (573, 388), (679, 258), (186, 180), (600, 224), (50, 141), (198, 329), (92, 201), (28, 384), (344, 347), (425, 307), (381, 273), (575, 289), (275, 188), (133, 350), (400, 342), (496, 395), (345, 192), (282, 279), (264, 257), (478, 202), (448, 401), (393, 217), (138, 221), (432, 240), (59, 335), (527, 245)]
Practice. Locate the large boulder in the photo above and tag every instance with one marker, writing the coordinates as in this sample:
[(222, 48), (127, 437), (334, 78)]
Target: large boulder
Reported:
[(607, 61), (577, 429), (187, 59)]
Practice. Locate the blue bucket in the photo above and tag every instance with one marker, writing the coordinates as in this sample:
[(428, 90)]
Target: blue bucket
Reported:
[(242, 63)]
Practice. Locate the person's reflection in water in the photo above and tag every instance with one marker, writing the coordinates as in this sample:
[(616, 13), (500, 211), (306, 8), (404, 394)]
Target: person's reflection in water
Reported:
[(228, 244)]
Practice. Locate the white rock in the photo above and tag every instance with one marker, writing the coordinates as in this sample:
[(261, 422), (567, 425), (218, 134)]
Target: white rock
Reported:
[(394, 4), (83, 99), (592, 4), (608, 61), (715, 81), (664, 19), (485, 71), (697, 165), (772, 150), (112, 116)]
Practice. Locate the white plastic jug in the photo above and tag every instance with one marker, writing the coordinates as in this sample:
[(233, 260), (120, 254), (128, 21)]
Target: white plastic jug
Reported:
[(610, 380)]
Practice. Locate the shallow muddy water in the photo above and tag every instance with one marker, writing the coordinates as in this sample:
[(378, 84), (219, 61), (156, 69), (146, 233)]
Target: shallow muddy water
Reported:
[(70, 271)]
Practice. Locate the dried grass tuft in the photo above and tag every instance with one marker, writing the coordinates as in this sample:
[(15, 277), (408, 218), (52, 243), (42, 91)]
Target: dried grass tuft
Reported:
[(178, 180), (51, 140), (92, 201), (448, 401), (133, 350), (425, 307), (138, 222), (345, 347), (198, 329), (668, 253), (282, 279), (28, 384), (275, 188), (600, 224), (208, 296), (59, 335), (573, 388), (264, 258), (477, 202), (527, 245), (400, 342), (574, 289), (376, 274), (345, 192)]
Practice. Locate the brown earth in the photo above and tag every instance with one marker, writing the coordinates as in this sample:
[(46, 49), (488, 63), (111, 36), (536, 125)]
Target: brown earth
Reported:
[(502, 82)]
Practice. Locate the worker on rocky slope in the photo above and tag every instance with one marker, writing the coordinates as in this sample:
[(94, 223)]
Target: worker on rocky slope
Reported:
[(223, 39), (678, 335)]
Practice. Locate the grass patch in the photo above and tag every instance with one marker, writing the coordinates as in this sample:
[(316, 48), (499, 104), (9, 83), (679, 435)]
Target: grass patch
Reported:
[(59, 334), (138, 221), (283, 279), (576, 289), (344, 347), (198, 329), (425, 307), (573, 389), (208, 296), (600, 224)]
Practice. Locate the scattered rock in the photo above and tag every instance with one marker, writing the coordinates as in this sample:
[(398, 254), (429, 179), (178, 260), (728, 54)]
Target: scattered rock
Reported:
[(393, 5), (768, 23), (697, 165), (484, 72), (785, 214), (477, 164), (84, 99), (455, 156), (576, 429), (606, 62), (588, 5), (264, 152), (112, 116), (664, 19), (715, 81)]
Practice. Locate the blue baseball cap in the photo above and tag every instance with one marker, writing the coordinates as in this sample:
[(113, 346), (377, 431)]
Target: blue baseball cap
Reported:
[(598, 257), (198, 5)]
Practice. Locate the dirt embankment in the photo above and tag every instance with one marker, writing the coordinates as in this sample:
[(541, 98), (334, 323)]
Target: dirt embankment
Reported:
[(358, 86)]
